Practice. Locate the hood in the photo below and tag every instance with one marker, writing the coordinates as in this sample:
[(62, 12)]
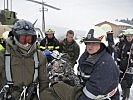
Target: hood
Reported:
[(13, 47)]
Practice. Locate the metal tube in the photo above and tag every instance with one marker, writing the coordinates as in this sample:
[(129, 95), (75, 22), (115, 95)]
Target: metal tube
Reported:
[(11, 5), (43, 19), (7, 5), (4, 4)]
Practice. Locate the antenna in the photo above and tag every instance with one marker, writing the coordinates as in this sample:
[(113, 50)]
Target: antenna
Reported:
[(11, 5), (7, 5), (43, 19), (4, 4), (44, 4)]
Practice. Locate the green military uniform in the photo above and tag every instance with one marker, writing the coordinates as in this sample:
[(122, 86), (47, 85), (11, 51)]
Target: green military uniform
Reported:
[(61, 91), (22, 68), (72, 49)]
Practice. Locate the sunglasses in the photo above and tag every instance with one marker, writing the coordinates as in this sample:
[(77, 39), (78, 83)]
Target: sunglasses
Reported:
[(24, 39)]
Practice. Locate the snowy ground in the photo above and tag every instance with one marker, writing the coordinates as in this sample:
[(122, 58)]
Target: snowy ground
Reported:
[(82, 48)]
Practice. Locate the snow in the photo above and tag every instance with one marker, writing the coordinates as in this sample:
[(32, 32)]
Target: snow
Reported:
[(82, 48)]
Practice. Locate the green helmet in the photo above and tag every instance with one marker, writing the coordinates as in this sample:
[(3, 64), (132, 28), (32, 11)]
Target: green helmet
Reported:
[(49, 31)]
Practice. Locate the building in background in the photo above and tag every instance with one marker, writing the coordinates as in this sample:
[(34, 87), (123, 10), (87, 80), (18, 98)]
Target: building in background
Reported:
[(117, 27)]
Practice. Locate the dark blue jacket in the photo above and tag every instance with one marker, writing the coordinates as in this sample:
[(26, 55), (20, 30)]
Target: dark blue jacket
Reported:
[(98, 73)]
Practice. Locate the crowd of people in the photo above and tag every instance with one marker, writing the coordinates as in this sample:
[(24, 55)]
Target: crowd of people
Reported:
[(25, 75)]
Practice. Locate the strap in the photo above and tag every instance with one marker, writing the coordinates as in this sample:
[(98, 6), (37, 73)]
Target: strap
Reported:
[(36, 67), (8, 66), (99, 97)]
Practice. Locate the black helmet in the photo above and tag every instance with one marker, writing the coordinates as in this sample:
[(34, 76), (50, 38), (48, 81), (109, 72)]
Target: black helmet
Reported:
[(24, 28), (96, 35)]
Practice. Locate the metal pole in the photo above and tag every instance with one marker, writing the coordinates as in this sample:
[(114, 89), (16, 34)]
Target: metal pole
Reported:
[(11, 5), (4, 4), (7, 5), (43, 19)]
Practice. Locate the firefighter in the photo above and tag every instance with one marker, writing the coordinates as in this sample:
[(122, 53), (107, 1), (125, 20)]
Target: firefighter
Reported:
[(50, 42), (125, 63), (97, 70), (119, 45)]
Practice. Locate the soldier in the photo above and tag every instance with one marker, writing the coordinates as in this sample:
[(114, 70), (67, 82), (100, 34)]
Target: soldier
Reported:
[(125, 63), (22, 66), (70, 47)]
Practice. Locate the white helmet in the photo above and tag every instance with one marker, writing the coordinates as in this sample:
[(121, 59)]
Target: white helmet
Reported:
[(128, 32), (49, 31)]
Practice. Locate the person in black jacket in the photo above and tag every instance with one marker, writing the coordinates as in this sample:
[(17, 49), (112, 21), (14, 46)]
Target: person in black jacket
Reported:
[(125, 62), (97, 70), (49, 43), (119, 45)]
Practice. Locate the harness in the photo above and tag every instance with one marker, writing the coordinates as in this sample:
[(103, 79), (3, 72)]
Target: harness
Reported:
[(9, 81), (129, 69)]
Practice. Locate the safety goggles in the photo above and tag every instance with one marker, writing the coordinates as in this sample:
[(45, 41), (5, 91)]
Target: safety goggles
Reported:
[(24, 39)]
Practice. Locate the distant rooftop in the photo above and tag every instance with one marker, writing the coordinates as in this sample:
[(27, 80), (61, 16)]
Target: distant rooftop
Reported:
[(116, 23)]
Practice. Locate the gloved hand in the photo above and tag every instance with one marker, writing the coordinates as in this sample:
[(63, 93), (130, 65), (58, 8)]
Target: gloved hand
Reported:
[(47, 52)]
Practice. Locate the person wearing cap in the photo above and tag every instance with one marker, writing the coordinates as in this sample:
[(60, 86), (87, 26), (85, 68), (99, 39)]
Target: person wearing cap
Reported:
[(22, 65), (125, 63), (97, 70), (50, 42), (70, 46), (119, 45)]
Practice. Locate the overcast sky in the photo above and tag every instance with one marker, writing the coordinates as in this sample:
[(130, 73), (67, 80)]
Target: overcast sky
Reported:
[(75, 14)]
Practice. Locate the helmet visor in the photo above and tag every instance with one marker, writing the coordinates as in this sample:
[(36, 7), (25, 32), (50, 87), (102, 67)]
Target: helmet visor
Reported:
[(24, 39)]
